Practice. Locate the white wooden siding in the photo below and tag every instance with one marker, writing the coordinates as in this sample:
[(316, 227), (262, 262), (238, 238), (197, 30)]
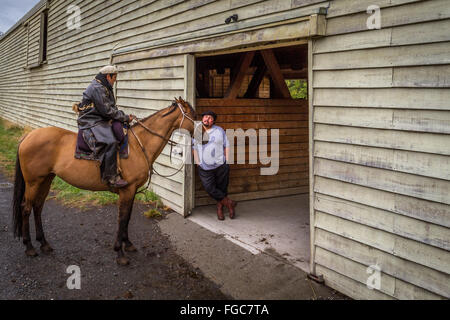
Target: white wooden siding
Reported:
[(34, 39), (382, 149), (43, 96), (380, 123), (155, 83)]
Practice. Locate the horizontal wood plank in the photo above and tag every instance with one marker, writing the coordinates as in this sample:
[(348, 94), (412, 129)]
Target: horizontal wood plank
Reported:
[(415, 12), (429, 165), (424, 210), (409, 120), (399, 98), (396, 182), (409, 141), (394, 223), (413, 55), (408, 271), (389, 285), (348, 286)]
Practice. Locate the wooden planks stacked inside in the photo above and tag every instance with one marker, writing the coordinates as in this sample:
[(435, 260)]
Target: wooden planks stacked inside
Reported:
[(290, 117)]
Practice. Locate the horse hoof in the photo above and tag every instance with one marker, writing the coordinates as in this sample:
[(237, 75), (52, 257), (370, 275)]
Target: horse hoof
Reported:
[(123, 261), (31, 252), (131, 248), (46, 248)]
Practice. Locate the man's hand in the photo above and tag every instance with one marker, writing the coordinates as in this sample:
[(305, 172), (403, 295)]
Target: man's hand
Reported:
[(132, 116)]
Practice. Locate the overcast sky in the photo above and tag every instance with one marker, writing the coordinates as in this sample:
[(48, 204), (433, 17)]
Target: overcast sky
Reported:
[(12, 10)]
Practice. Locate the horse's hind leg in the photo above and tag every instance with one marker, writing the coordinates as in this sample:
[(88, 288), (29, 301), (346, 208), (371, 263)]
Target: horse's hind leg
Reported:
[(31, 191), (38, 205)]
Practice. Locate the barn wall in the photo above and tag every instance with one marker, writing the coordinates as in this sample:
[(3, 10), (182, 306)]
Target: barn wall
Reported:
[(145, 87), (33, 39), (43, 96), (381, 149), (381, 116)]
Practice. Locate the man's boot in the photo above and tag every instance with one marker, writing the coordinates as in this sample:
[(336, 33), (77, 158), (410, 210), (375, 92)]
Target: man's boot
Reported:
[(220, 211), (230, 204)]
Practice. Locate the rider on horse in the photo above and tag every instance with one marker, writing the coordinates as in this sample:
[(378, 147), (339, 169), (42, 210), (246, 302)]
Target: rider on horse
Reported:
[(97, 115)]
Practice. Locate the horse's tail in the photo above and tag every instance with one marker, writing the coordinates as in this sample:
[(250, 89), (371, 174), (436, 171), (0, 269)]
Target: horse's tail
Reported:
[(19, 192)]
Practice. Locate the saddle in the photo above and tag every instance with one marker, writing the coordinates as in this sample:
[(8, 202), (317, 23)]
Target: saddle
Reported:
[(86, 143)]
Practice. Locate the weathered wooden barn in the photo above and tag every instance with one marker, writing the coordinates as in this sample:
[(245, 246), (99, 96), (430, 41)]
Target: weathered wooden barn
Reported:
[(370, 145)]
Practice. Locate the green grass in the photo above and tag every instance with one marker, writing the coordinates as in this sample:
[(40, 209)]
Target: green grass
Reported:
[(9, 138), (61, 190), (73, 196), (152, 213)]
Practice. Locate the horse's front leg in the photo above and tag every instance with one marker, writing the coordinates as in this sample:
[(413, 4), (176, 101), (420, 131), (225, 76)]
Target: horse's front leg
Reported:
[(126, 199)]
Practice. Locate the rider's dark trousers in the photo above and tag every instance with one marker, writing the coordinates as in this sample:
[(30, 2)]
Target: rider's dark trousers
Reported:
[(107, 146), (215, 181)]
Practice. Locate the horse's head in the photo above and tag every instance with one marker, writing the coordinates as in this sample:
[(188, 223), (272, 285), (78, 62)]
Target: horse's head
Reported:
[(187, 115)]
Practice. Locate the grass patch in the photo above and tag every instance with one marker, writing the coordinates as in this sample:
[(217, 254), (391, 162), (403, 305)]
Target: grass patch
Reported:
[(156, 211), (72, 196), (69, 195), (152, 213), (9, 139), (147, 196)]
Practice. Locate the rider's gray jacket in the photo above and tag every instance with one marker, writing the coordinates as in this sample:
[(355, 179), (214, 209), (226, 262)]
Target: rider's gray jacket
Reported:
[(104, 106)]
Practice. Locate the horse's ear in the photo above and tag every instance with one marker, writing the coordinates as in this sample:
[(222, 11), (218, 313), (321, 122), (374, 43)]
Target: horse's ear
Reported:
[(176, 99)]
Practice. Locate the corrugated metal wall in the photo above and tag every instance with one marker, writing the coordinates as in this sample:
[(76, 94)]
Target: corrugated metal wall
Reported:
[(381, 149)]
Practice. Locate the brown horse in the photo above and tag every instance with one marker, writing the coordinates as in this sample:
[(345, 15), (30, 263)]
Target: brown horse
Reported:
[(48, 152)]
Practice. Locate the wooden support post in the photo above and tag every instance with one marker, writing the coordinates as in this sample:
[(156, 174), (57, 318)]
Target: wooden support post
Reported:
[(275, 73), (241, 70), (206, 80), (256, 81), (189, 176)]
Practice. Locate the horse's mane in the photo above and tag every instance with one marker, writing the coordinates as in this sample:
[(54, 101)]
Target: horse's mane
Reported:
[(173, 108)]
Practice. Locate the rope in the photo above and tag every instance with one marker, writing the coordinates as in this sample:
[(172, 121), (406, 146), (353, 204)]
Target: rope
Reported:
[(150, 167), (155, 133), (170, 141)]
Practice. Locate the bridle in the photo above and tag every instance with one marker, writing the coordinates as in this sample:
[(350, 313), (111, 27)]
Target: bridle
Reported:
[(168, 140)]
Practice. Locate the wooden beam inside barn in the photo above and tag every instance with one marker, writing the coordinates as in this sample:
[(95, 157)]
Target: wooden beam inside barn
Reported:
[(275, 72), (255, 82), (241, 70)]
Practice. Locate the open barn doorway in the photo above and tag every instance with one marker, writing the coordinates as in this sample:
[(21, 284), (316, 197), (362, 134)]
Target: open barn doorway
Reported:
[(256, 91)]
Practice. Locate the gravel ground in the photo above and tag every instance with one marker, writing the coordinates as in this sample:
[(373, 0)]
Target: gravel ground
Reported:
[(85, 239)]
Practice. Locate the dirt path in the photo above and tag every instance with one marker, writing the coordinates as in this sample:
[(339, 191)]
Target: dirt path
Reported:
[(84, 239)]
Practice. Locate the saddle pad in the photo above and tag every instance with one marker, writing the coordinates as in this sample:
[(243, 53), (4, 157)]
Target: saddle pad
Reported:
[(82, 150)]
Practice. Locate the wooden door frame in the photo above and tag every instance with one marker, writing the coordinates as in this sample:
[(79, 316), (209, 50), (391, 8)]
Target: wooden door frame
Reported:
[(190, 186)]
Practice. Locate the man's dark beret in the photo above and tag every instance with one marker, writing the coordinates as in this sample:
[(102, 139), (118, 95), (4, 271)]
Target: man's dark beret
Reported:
[(210, 113)]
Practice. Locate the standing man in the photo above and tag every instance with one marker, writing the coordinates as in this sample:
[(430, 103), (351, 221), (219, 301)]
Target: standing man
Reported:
[(97, 114), (211, 156)]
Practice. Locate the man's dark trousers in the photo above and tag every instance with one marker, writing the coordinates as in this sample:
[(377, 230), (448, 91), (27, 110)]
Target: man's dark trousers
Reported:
[(215, 181)]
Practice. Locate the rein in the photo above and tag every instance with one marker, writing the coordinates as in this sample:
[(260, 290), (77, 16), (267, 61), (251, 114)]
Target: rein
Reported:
[(170, 141)]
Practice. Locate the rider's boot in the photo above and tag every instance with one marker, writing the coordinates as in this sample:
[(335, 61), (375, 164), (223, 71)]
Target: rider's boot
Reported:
[(118, 182)]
